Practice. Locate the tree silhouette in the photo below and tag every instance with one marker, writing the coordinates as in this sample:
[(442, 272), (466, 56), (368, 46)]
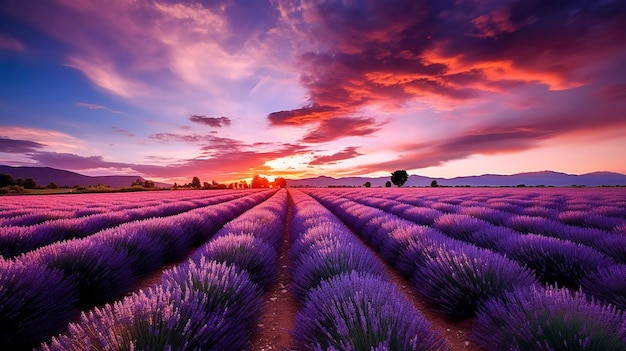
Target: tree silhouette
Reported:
[(434, 184), (280, 182), (367, 184), (388, 184), (259, 182), (399, 177), (6, 180), (195, 183)]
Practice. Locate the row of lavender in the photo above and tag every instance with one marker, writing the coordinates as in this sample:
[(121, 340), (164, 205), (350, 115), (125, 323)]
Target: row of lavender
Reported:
[(347, 300), (512, 309), (42, 290), (24, 211), (211, 302), (16, 239), (573, 257), (603, 209)]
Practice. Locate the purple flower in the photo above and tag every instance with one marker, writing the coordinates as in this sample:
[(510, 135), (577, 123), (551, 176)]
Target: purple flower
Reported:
[(320, 264), (608, 285), (35, 303), (536, 318), (100, 272), (555, 260), (358, 311), (246, 252), (459, 279)]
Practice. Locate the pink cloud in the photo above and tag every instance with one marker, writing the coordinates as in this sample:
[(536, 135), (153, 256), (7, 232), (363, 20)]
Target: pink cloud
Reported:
[(345, 154), (14, 146), (10, 44), (341, 127)]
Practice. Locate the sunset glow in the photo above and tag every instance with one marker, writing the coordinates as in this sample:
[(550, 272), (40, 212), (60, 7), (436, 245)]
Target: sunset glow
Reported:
[(224, 90)]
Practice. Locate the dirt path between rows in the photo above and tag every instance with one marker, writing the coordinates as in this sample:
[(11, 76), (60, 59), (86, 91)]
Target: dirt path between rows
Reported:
[(281, 306)]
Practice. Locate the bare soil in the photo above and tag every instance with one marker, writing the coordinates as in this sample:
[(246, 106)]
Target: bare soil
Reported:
[(281, 306)]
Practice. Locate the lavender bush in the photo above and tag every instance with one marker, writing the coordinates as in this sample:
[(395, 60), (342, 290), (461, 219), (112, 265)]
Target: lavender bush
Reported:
[(608, 285), (317, 265), (358, 311), (101, 273), (458, 280), (154, 319), (247, 253), (534, 318), (226, 287), (35, 303), (555, 260)]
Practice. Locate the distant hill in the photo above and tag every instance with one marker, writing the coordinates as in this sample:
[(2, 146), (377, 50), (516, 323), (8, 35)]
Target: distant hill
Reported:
[(44, 175), (547, 178)]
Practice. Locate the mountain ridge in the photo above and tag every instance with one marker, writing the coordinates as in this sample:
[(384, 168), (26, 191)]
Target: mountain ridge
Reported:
[(536, 178), (64, 178)]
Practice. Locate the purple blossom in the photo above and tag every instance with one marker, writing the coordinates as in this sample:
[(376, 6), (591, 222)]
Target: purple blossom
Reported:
[(246, 252), (320, 264), (457, 280), (100, 272), (535, 318), (358, 311), (459, 226), (153, 319), (555, 260), (227, 289), (35, 303), (608, 285)]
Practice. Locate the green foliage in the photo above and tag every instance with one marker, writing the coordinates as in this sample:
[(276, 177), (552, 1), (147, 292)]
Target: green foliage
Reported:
[(399, 177)]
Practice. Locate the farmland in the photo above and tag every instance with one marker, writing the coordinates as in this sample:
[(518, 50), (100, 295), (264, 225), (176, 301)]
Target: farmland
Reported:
[(308, 269)]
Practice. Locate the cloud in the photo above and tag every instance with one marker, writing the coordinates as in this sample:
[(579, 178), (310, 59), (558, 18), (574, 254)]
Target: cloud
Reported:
[(13, 146), (391, 53), (73, 161), (98, 107), (10, 44), (123, 131), (211, 121), (345, 154), (341, 127), (304, 115)]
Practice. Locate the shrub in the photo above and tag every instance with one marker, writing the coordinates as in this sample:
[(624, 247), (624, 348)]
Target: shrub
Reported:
[(35, 303), (555, 260), (101, 273), (457, 280), (247, 253), (459, 226), (314, 266), (534, 318), (358, 311), (154, 319), (608, 285), (227, 289)]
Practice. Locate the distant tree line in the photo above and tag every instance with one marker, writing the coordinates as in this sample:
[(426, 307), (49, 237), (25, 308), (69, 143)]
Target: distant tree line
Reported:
[(257, 182)]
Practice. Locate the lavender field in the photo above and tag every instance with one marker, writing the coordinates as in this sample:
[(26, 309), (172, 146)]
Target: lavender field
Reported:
[(337, 269)]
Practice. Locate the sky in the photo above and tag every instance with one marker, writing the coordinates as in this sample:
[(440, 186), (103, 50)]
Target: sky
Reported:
[(224, 90)]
